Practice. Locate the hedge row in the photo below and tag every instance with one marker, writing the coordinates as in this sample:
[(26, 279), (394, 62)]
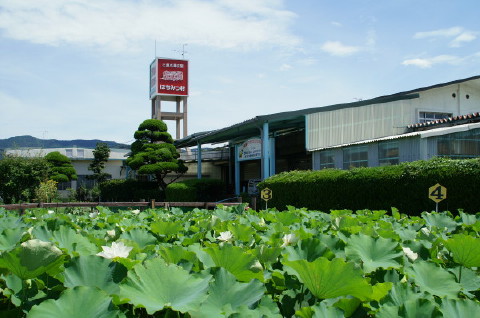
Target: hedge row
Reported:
[(193, 190), (404, 186), (130, 190)]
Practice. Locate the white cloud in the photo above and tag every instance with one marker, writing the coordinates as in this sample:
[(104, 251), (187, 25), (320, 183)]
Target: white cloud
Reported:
[(285, 67), (120, 25), (459, 35), (429, 62), (338, 49)]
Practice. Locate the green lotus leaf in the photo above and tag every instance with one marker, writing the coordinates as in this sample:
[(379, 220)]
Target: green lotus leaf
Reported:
[(235, 260), (32, 258), (331, 279), (67, 238), (325, 311), (348, 305), (226, 295), (380, 290), (9, 238), (413, 308), (465, 249), (79, 302), (166, 228), (156, 285), (459, 308), (308, 249), (433, 279), (176, 254), (468, 279), (266, 308), (241, 232), (399, 294), (287, 218), (94, 271), (440, 220), (140, 236), (373, 252), (267, 255)]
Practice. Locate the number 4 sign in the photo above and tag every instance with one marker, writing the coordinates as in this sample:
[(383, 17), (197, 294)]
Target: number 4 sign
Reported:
[(437, 193)]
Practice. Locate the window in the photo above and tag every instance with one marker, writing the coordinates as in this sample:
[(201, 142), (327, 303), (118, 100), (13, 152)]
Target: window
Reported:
[(424, 117), (388, 153), (83, 181), (327, 159), (464, 144), (355, 157), (69, 153), (80, 153), (64, 185)]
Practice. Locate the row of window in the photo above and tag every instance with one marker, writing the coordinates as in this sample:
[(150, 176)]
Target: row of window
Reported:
[(458, 145), (357, 156)]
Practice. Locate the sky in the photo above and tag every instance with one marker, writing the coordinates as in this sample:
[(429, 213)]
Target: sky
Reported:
[(79, 69)]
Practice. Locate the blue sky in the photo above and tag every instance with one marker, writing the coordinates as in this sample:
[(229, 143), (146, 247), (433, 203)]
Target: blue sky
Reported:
[(78, 69)]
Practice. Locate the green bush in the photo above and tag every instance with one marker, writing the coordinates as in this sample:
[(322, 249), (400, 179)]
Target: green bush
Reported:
[(196, 190), (130, 190), (404, 186)]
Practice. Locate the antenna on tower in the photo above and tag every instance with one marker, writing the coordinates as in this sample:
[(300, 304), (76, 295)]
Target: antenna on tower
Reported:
[(182, 52)]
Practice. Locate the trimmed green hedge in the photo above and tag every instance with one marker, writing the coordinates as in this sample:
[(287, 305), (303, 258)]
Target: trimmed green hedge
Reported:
[(194, 190), (404, 186), (130, 190)]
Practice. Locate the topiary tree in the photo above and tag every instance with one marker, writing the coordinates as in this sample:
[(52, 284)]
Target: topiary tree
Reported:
[(61, 168), (100, 158), (153, 153)]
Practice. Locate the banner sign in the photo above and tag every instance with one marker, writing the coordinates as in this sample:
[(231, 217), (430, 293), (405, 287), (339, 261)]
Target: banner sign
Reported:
[(168, 77), (250, 149)]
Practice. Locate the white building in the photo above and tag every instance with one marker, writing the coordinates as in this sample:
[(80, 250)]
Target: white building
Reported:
[(81, 159)]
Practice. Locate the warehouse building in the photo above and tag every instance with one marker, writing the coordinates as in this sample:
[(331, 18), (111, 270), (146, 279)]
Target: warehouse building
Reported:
[(438, 120)]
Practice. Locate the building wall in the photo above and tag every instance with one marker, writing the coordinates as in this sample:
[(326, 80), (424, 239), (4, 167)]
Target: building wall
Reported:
[(348, 125)]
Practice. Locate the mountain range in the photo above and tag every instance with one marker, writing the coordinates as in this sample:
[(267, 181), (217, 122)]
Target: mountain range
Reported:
[(33, 142)]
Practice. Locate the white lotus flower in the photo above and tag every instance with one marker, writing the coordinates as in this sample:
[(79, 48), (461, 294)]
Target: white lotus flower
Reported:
[(262, 222), (409, 253), (50, 211), (289, 239), (117, 250), (425, 231), (135, 211), (111, 232), (225, 236), (93, 214)]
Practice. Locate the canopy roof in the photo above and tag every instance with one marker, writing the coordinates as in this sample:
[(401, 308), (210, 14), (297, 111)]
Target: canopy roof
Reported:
[(285, 122)]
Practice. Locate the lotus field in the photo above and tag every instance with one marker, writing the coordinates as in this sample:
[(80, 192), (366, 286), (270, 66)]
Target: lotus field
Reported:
[(232, 262)]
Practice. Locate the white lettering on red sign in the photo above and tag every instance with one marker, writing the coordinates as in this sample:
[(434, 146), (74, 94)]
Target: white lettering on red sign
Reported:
[(172, 75)]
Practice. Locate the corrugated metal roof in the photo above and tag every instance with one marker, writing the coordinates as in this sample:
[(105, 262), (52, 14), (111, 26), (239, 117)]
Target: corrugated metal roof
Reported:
[(293, 119)]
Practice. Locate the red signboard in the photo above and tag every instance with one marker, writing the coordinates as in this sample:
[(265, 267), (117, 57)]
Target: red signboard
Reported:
[(168, 77)]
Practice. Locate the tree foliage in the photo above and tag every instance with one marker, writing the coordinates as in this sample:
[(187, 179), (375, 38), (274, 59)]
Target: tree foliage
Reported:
[(100, 158), (153, 153), (19, 177), (61, 168)]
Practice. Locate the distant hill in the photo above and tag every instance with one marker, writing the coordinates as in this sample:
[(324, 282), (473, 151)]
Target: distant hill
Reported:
[(32, 142)]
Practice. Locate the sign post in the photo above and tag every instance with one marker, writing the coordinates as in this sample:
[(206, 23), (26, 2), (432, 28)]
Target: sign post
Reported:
[(266, 194), (437, 193)]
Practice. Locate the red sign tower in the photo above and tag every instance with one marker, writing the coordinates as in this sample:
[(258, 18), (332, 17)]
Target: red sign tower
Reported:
[(169, 82)]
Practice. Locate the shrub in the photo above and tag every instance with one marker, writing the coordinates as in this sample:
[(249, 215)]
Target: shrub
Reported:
[(193, 190), (19, 177), (130, 190), (404, 186)]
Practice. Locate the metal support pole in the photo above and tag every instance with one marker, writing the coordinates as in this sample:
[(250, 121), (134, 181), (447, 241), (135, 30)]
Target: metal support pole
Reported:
[(199, 161), (237, 172), (265, 152)]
